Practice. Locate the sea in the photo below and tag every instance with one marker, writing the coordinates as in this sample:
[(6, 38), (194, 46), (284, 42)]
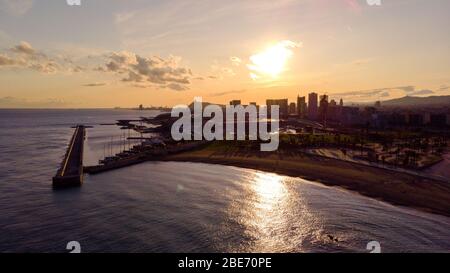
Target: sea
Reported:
[(180, 207)]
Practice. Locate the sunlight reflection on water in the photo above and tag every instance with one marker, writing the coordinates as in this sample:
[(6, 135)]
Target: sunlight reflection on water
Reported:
[(275, 217), (182, 207)]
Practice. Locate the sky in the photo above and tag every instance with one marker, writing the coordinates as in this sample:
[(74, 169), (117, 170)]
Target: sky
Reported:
[(122, 53)]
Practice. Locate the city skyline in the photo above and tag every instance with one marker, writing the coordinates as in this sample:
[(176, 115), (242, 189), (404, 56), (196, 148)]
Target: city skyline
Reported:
[(112, 54)]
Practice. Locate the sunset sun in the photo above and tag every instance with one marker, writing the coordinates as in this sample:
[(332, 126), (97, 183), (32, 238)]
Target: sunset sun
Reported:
[(272, 61)]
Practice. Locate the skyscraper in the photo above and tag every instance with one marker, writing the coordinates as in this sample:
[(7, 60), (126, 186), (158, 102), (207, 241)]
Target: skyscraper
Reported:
[(323, 108), (312, 106), (332, 110), (292, 108), (301, 106)]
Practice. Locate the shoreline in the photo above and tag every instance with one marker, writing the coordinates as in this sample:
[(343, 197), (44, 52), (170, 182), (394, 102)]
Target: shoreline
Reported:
[(425, 194)]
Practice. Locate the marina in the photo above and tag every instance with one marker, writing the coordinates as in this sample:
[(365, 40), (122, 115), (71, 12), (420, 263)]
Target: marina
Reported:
[(121, 151)]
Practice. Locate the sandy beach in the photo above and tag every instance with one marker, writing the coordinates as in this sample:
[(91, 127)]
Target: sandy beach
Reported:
[(393, 187)]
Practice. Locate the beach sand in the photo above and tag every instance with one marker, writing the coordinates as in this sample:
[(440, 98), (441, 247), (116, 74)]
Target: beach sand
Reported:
[(393, 187)]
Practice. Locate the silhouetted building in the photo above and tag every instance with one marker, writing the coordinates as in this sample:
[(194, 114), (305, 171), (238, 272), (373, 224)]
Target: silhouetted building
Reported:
[(397, 119), (301, 106), (235, 102), (351, 116), (292, 108), (312, 106), (323, 108), (282, 103), (333, 111)]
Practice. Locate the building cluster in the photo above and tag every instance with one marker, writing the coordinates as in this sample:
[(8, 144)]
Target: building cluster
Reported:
[(317, 108), (326, 111), (414, 118)]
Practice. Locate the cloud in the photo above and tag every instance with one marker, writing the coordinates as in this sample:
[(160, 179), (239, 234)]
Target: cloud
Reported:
[(47, 67), (362, 93), (95, 84), (443, 88), (385, 92), (165, 73), (407, 89), (176, 87), (220, 72), (360, 62), (25, 56), (236, 61), (421, 92), (34, 59), (78, 68), (139, 85), (16, 7), (5, 60), (25, 48), (219, 94), (120, 18)]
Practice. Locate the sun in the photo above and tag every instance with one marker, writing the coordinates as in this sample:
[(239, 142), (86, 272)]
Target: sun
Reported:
[(272, 61)]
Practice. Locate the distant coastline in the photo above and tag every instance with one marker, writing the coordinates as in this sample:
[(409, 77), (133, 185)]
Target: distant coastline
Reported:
[(88, 108), (402, 102)]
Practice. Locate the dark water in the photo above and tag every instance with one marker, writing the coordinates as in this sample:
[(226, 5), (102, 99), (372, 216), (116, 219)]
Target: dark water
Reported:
[(180, 207)]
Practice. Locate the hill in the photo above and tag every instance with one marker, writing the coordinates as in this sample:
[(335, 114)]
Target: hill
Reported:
[(409, 101)]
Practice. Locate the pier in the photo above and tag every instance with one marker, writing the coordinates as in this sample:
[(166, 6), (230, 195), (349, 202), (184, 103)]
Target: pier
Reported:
[(70, 173)]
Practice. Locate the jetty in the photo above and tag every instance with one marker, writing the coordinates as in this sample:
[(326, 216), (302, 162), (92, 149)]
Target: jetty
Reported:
[(70, 173)]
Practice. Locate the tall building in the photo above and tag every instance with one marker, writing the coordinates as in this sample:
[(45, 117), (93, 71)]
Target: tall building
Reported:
[(301, 106), (312, 106), (341, 103), (323, 108), (292, 108), (332, 110), (282, 103)]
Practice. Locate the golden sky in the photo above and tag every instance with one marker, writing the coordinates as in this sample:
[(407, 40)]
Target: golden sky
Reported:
[(124, 53)]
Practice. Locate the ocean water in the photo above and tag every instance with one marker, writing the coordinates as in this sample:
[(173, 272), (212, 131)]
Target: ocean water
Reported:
[(180, 207)]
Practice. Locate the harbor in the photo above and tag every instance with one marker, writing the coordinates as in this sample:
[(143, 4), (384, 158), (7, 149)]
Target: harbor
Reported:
[(148, 199), (121, 151)]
